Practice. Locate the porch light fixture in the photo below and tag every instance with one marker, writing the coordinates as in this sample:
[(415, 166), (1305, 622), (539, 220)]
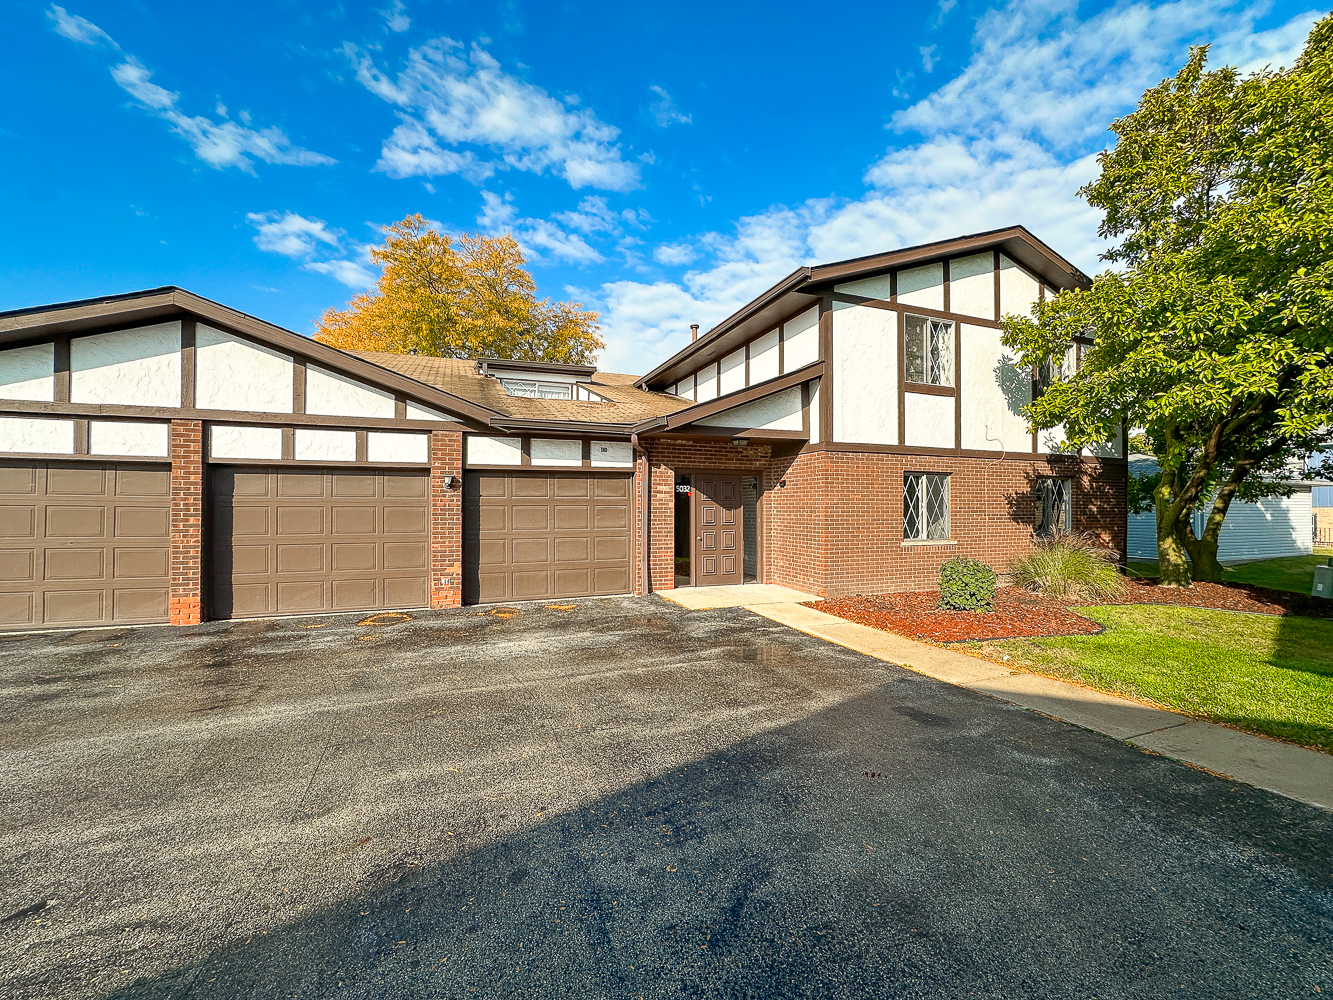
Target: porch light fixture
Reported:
[(448, 481), (740, 442)]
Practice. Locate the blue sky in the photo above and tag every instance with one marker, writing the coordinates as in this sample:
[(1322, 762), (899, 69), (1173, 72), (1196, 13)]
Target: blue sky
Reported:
[(663, 163)]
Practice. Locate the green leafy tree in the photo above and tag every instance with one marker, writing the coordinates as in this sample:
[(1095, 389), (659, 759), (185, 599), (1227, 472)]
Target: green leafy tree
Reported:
[(1214, 335)]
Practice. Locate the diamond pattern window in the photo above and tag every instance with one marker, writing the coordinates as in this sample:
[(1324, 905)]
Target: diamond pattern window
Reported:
[(1053, 506), (929, 349), (537, 390), (925, 507)]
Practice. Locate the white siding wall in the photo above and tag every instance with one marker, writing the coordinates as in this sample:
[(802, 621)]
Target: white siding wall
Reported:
[(234, 374), (1270, 528), (417, 412), (28, 373), (114, 437), (706, 383), (778, 412), (611, 454), (994, 389), (764, 358), (555, 451), (800, 340), (331, 394), (493, 450), (36, 435), (1018, 290), (928, 420), (392, 446), (972, 286), (865, 365), (245, 442), (922, 286), (814, 412), (140, 367), (878, 287), (314, 445), (733, 371)]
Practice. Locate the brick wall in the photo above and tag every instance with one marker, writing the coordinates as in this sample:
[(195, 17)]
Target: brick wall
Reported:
[(446, 520), (836, 527), (187, 526)]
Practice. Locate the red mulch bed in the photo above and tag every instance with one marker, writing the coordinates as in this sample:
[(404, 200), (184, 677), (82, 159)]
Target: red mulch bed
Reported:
[(1019, 613)]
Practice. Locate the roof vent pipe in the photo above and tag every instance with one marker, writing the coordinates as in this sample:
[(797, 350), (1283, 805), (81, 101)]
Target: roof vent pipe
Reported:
[(694, 332)]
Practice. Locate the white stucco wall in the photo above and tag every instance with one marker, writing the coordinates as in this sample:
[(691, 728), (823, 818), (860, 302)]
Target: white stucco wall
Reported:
[(685, 387), (1109, 450), (1018, 289), (705, 381), (994, 388), (235, 374), (972, 286), (417, 412), (928, 420), (815, 432), (555, 451), (800, 340), (1270, 528), (331, 394), (764, 358), (612, 454), (733, 371), (493, 450), (139, 367), (310, 444), (878, 287), (245, 442), (36, 435), (778, 412), (28, 373), (865, 366), (115, 437), (922, 286), (397, 446)]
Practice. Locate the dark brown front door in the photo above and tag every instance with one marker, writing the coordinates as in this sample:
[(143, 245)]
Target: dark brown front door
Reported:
[(718, 542), (83, 543), (291, 541)]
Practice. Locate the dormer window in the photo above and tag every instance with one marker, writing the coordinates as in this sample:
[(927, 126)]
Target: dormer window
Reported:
[(537, 390)]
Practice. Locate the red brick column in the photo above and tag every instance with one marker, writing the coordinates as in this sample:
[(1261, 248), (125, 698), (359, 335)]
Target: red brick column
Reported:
[(187, 528), (446, 520)]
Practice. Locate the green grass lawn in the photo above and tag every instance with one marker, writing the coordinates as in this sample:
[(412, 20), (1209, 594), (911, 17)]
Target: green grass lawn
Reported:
[(1295, 573), (1266, 674)]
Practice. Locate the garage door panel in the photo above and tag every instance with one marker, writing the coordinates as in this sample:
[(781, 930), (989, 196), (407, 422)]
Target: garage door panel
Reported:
[(141, 564), (531, 535), (72, 607), (75, 481), (18, 522), (325, 543), (19, 480), (247, 484), (75, 522), (75, 564), (16, 609), (143, 483), (142, 522), (18, 564), (139, 605)]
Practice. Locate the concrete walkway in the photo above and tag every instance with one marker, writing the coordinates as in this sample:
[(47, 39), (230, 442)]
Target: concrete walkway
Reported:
[(1289, 770), (744, 596)]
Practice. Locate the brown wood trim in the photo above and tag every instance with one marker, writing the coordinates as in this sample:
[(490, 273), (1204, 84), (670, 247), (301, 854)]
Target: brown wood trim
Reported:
[(45, 456), (692, 413), (760, 435), (998, 315), (525, 451), (747, 363), (944, 271), (760, 569), (60, 368), (902, 381), (805, 409), (298, 386), (288, 444), (782, 361), (323, 463), (923, 389), (399, 408), (717, 367), (362, 446), (891, 449), (826, 384), (957, 387), (861, 300), (893, 286), (80, 436), (65, 409), (188, 369), (587, 453)]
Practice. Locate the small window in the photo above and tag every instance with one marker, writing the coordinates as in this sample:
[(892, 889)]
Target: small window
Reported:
[(925, 507), (1054, 370), (537, 390), (1053, 512), (929, 350)]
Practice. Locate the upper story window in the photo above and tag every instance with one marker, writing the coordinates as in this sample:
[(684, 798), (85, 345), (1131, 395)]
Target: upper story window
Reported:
[(533, 389), (929, 350), (1055, 370)]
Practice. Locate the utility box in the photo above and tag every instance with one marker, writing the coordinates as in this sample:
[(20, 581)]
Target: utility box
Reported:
[(1323, 581)]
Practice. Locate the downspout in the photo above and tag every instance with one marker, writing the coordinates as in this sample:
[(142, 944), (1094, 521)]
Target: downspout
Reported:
[(645, 574)]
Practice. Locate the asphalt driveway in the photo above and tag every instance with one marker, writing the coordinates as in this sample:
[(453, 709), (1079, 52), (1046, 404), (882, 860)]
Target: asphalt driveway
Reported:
[(609, 798)]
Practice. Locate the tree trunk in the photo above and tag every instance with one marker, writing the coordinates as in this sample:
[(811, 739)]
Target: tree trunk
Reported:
[(1173, 568), (1203, 555)]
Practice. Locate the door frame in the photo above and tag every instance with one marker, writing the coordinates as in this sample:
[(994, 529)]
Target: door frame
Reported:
[(759, 548)]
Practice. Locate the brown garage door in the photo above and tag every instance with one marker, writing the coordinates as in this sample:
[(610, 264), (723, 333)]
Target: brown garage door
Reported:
[(533, 535), (291, 541), (83, 544)]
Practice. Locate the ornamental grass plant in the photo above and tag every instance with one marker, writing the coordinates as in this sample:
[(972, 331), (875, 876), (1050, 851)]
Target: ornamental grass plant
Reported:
[(1068, 566)]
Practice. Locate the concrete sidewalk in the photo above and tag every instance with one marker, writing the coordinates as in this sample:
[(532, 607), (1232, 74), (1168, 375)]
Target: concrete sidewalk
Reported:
[(1289, 770)]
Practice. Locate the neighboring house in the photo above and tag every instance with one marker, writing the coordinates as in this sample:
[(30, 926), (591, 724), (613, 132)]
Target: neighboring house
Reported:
[(1321, 503), (1265, 529), (170, 459)]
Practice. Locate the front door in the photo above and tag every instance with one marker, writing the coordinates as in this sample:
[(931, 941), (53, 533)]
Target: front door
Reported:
[(719, 540)]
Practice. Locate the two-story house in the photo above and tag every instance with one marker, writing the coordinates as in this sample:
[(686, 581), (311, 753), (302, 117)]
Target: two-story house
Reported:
[(165, 458)]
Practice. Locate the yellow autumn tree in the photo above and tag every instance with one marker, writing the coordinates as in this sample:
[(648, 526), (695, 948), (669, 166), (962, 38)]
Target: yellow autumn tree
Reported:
[(459, 297)]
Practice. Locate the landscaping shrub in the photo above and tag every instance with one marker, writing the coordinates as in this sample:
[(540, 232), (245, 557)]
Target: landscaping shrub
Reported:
[(1068, 566), (967, 585)]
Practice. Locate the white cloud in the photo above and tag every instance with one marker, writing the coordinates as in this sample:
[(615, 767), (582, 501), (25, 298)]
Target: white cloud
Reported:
[(219, 144), (79, 29), (928, 57), (1007, 141), (348, 272), (539, 238), (395, 17), (448, 97), (290, 234), (942, 11), (664, 110)]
